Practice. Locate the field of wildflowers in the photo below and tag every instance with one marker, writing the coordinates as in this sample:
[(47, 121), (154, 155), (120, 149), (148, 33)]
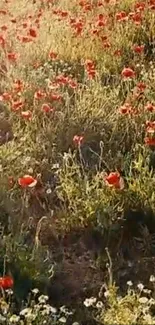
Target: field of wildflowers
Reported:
[(77, 162)]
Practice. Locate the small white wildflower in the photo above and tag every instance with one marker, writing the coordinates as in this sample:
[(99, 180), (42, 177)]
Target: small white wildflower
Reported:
[(50, 309), (129, 283), (31, 317), (9, 292), (25, 311), (42, 299), (147, 291), (143, 300), (89, 301), (48, 191), (99, 304), (53, 310), (45, 312), (106, 294), (14, 319), (62, 320), (152, 301), (35, 291), (147, 319), (140, 286), (75, 323), (65, 310), (152, 278), (37, 307)]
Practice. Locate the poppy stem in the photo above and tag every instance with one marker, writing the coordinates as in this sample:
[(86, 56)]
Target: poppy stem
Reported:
[(4, 265), (81, 158), (109, 267)]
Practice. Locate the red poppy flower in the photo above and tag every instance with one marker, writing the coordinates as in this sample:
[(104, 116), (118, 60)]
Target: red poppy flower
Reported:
[(27, 115), (140, 6), (4, 27), (47, 108), (27, 181), (52, 55), (138, 49), (152, 4), (102, 21), (24, 39), (89, 64), (141, 86), (78, 27), (56, 96), (150, 130), (118, 52), (100, 4), (95, 32), (37, 21), (17, 105), (150, 124), (115, 180), (6, 282), (13, 20), (5, 97), (121, 16), (87, 7), (91, 74), (56, 11), (127, 73), (63, 14), (78, 140), (25, 24), (32, 32), (90, 68), (3, 12), (72, 20), (150, 107), (125, 109), (18, 85), (12, 56), (40, 94), (136, 17), (61, 80), (149, 141), (72, 84)]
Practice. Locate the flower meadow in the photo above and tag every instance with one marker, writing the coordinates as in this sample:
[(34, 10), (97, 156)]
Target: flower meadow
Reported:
[(77, 162)]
